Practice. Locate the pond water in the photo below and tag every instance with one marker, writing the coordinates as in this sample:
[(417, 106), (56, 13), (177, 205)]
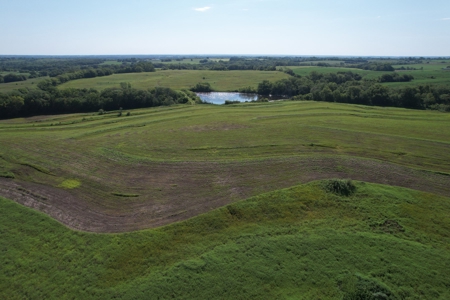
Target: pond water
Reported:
[(220, 97)]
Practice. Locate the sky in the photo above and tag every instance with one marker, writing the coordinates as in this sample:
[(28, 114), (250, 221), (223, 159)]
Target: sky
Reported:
[(246, 27)]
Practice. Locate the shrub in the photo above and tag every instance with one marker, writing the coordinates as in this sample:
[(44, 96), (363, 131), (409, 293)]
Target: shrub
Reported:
[(7, 174), (342, 187), (231, 102), (368, 289), (202, 87)]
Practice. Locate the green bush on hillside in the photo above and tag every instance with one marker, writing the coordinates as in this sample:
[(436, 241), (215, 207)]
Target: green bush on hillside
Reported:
[(342, 187), (366, 289)]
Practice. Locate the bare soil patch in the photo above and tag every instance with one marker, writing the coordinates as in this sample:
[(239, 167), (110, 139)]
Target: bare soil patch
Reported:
[(171, 192)]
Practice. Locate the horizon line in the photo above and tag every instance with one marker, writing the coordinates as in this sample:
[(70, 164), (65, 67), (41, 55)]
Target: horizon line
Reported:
[(227, 55)]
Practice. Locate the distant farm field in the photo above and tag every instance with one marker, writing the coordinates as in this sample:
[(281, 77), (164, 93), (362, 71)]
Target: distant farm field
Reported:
[(28, 84), (431, 73), (304, 71), (194, 61), (180, 79)]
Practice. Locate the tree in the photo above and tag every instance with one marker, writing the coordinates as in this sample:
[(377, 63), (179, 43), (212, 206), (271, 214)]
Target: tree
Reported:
[(326, 94), (13, 105), (13, 78), (265, 88), (202, 87), (409, 98), (379, 95)]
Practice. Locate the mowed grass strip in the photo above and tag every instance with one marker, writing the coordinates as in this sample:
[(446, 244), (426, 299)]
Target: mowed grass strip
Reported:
[(180, 79), (418, 139), (301, 242)]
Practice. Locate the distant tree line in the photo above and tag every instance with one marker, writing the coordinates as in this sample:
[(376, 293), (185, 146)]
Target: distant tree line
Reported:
[(64, 69), (347, 87), (26, 102), (395, 77), (237, 64), (12, 78), (58, 65), (91, 73), (374, 66), (271, 64), (402, 68), (70, 68), (49, 65)]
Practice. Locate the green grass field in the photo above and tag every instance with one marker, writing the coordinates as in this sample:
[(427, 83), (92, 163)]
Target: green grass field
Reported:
[(432, 73), (111, 62), (183, 171), (194, 61), (27, 84), (176, 79), (297, 243), (304, 71)]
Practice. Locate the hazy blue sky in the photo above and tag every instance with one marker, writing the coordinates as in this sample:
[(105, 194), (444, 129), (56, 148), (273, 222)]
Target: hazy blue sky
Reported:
[(301, 27)]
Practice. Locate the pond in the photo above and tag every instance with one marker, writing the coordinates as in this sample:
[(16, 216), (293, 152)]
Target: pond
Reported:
[(221, 97)]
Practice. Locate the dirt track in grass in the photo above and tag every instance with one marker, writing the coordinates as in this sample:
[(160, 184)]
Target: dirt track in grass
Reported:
[(169, 192)]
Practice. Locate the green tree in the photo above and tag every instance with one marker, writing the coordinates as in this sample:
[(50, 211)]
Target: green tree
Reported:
[(265, 88)]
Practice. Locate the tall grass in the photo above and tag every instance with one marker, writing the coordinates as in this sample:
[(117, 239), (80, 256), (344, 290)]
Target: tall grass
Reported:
[(301, 243)]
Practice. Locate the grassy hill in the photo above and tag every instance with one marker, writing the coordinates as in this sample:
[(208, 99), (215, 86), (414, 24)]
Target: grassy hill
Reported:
[(180, 79), (106, 173), (26, 84), (305, 242), (185, 171)]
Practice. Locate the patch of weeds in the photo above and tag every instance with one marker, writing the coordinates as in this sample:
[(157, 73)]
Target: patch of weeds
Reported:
[(234, 211), (25, 191), (399, 153), (341, 187), (70, 184), (367, 289), (322, 145), (7, 174), (37, 168), (440, 173), (389, 226), (125, 195)]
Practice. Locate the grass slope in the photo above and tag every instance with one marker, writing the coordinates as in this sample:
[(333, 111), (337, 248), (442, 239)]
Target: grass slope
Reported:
[(185, 160), (432, 73), (296, 243), (26, 84), (184, 79)]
